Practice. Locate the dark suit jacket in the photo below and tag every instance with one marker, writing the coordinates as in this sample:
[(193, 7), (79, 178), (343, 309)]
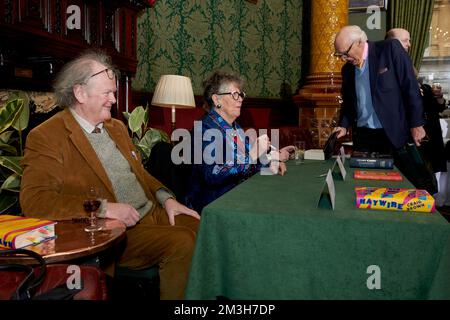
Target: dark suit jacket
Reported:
[(434, 148), (395, 91), (60, 164)]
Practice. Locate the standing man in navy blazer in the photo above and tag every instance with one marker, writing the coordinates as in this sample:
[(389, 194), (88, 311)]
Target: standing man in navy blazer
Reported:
[(381, 95)]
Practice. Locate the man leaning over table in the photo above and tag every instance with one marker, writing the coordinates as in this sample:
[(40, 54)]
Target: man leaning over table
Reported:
[(381, 97), (82, 146)]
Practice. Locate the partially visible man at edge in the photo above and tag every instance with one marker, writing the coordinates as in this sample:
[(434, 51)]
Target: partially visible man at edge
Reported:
[(433, 104), (401, 35), (82, 146)]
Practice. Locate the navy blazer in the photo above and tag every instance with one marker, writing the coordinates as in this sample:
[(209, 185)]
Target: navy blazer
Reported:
[(395, 91)]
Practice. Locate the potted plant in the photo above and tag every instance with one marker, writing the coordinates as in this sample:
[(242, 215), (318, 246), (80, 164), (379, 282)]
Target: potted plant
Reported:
[(144, 137), (14, 118)]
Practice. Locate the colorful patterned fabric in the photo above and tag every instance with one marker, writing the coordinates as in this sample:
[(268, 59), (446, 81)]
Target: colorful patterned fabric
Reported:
[(225, 162)]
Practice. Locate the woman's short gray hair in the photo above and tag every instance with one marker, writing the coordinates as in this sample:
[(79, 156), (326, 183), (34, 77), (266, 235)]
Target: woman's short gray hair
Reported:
[(216, 83), (78, 71)]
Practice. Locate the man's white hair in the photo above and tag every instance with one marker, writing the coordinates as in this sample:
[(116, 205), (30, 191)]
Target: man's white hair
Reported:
[(355, 33)]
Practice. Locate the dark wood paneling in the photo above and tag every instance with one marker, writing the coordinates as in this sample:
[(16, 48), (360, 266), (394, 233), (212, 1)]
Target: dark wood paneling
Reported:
[(35, 40)]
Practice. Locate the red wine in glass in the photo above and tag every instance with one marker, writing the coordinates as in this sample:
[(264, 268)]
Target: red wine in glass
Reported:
[(91, 205)]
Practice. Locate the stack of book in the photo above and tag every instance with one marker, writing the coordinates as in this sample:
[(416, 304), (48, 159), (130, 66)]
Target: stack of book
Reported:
[(17, 232), (371, 160)]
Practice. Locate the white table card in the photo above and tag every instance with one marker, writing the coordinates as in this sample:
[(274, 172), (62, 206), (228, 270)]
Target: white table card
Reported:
[(340, 173), (328, 193), (342, 153)]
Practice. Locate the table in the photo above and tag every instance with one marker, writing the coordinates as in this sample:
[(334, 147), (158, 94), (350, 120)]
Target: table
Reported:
[(72, 242), (266, 239)]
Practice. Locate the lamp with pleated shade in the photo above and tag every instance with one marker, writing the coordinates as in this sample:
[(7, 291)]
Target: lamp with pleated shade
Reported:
[(173, 91)]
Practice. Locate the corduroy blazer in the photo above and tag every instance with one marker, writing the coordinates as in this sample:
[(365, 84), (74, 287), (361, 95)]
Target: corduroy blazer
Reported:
[(60, 164)]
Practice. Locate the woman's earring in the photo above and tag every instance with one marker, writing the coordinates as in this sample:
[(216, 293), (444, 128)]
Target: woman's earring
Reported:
[(219, 106)]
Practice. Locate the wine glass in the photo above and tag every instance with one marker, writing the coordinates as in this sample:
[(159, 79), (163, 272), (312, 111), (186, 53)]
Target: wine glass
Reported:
[(299, 151), (91, 204)]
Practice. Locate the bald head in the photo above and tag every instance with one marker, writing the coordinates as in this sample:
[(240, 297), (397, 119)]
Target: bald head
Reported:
[(349, 44), (349, 34), (401, 35)]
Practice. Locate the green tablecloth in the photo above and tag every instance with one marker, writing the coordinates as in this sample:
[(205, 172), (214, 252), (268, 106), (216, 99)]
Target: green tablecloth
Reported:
[(266, 239)]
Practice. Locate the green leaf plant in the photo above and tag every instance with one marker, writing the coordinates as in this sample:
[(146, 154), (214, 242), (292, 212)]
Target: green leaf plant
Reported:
[(14, 118), (144, 137)]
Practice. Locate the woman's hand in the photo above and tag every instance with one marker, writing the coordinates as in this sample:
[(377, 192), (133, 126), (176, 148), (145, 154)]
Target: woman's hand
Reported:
[(278, 167)]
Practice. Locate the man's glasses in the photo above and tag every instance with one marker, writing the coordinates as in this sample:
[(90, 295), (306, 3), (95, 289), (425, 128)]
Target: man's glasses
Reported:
[(108, 71), (235, 94), (344, 54)]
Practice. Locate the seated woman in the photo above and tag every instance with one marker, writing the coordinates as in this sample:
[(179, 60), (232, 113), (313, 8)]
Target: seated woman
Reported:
[(212, 178)]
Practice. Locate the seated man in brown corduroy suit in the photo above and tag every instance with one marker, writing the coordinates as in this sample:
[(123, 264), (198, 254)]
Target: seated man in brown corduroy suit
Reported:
[(83, 147)]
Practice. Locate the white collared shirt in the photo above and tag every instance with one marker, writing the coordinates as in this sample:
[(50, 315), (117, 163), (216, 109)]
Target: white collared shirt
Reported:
[(86, 125)]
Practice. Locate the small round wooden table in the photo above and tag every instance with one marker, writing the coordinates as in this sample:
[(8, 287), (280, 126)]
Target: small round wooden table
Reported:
[(72, 242)]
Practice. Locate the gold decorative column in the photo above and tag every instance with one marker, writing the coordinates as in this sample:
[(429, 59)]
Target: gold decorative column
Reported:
[(318, 100)]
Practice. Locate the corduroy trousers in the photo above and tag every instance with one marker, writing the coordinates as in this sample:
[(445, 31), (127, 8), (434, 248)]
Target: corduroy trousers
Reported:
[(153, 241)]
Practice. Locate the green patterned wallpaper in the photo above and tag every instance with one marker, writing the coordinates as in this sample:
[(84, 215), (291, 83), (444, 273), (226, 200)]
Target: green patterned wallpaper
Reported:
[(262, 42)]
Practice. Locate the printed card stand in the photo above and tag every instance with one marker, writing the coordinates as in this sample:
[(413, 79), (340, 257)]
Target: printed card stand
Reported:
[(328, 193), (342, 153), (338, 169)]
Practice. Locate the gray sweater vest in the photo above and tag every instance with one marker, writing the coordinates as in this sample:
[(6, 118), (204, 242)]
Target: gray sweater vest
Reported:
[(127, 188)]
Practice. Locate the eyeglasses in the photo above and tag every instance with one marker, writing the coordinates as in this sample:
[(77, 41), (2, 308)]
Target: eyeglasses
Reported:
[(235, 94), (110, 73), (344, 54)]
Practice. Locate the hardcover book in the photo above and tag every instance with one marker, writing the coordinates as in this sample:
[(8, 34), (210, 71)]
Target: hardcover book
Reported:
[(314, 154), (18, 232), (397, 199), (371, 160), (377, 175)]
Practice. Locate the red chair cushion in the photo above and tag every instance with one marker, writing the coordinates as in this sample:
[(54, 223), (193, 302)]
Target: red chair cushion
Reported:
[(93, 281)]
